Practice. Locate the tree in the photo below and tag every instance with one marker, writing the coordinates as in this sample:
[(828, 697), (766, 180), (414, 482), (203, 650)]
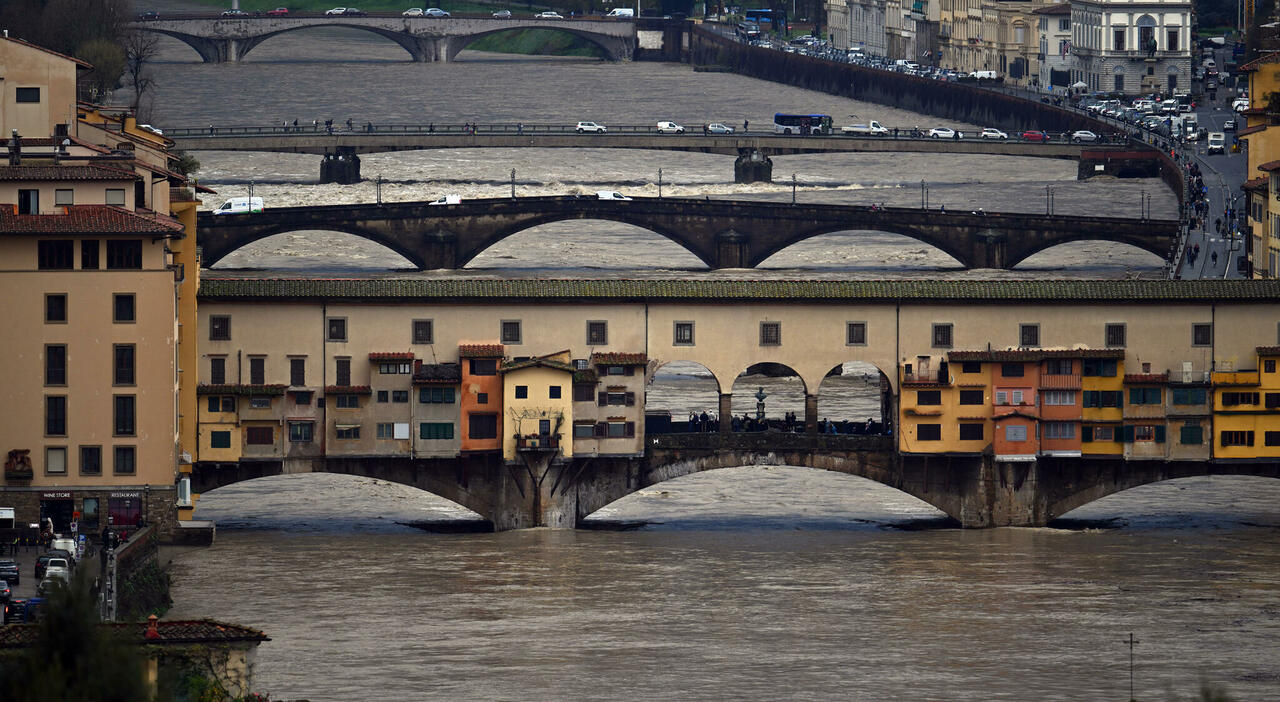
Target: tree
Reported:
[(108, 61), (74, 657), (140, 48)]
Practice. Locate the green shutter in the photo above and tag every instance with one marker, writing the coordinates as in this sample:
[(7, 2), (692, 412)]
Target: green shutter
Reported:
[(1126, 434), (449, 399), (1159, 433), (1135, 396), (1086, 434)]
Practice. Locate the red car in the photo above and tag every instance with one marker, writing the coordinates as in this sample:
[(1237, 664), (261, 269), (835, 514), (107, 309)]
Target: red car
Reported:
[(278, 12), (1033, 135)]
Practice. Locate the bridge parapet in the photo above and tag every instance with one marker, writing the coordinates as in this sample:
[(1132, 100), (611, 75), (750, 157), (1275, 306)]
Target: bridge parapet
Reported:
[(769, 441)]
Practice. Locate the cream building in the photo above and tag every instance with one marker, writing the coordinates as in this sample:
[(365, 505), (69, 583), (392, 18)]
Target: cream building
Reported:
[(1056, 62), (1132, 47)]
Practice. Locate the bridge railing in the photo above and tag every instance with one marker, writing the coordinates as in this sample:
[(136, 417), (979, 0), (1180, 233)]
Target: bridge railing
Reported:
[(769, 441)]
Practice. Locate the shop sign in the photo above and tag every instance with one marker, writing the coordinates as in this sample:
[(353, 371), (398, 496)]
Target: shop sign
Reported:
[(55, 495), (135, 494)]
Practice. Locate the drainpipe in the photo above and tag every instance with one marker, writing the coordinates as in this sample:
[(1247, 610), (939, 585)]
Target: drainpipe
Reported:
[(324, 382)]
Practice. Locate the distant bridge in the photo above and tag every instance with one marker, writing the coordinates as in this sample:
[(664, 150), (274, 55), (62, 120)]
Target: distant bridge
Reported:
[(226, 39), (752, 147), (721, 233)]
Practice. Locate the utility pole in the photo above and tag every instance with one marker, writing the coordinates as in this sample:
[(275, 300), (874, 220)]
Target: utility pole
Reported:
[(793, 188), (659, 183), (1132, 642), (513, 183)]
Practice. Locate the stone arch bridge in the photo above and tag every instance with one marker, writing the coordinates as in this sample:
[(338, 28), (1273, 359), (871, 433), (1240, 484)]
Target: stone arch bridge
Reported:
[(227, 39), (974, 491), (720, 233)]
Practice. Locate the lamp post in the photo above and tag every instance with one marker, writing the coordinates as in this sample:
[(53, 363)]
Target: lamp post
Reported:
[(924, 195), (378, 184), (760, 396), (251, 194), (513, 183), (1132, 642), (659, 182), (793, 188), (1048, 200)]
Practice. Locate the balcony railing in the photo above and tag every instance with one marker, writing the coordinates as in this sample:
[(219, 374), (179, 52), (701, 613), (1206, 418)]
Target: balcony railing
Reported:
[(537, 442), (931, 377)]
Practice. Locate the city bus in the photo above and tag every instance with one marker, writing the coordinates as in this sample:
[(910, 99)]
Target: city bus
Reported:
[(801, 124), (760, 18), (748, 31)]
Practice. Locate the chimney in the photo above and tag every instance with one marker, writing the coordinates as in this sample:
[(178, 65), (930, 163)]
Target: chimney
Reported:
[(152, 631), (15, 149)]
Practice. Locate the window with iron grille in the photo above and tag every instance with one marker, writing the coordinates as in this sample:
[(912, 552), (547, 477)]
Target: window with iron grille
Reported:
[(1201, 334), (510, 331), (336, 329), (423, 331), (597, 333), (855, 334), (219, 328), (683, 334), (1029, 335), (942, 336), (1115, 336), (771, 333)]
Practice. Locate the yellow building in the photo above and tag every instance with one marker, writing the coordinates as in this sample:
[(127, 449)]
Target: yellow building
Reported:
[(538, 405), (947, 410), (38, 98), (1246, 422), (1264, 157), (1102, 389)]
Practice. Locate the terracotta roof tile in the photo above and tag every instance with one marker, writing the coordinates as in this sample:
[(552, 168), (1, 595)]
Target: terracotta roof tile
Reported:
[(87, 219), (1266, 58), (79, 63), (239, 389), (205, 631), (1268, 350), (531, 362), (348, 390), (391, 356), (1060, 8), (437, 374), (480, 351), (617, 358), (1269, 166), (1252, 130), (1256, 184), (587, 375), (1033, 354), (65, 172), (401, 290)]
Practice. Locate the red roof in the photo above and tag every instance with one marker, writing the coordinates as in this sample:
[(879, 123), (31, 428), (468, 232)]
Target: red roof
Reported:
[(1255, 184), (391, 356), (166, 632), (78, 62), (618, 359), (1269, 350), (1270, 166), (1268, 58), (480, 351), (65, 172), (1252, 130), (87, 219), (1146, 377)]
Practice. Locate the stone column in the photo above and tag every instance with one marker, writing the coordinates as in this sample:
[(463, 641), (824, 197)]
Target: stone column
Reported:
[(810, 414), (726, 412), (342, 167), (752, 166)]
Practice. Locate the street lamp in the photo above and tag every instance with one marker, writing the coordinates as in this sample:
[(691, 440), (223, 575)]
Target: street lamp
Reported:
[(513, 183), (659, 183), (793, 188), (924, 195), (760, 395), (251, 194), (378, 184), (1048, 200)]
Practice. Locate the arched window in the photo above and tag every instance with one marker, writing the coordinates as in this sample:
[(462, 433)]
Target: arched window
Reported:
[(1147, 34)]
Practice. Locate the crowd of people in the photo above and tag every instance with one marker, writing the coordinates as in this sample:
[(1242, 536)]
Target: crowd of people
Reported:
[(709, 422)]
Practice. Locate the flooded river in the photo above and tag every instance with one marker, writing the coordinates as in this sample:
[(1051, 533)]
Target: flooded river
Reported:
[(745, 583)]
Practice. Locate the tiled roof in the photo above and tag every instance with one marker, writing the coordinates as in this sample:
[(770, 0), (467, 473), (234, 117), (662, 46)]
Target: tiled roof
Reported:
[(1256, 184), (443, 373), (1146, 377), (391, 356), (348, 390), (617, 358), (480, 351), (237, 389), (1252, 130), (1265, 58), (1060, 8), (68, 172), (79, 63), (587, 375), (87, 219), (531, 362), (413, 289), (1269, 166), (202, 631), (1268, 350), (1033, 354)]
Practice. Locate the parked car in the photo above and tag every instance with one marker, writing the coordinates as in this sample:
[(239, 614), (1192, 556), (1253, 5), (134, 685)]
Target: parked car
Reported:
[(434, 12), (450, 199), (591, 127), (234, 13), (5, 593), (1229, 125), (336, 11), (9, 572), (149, 15), (1083, 135), (666, 127), (412, 12), (992, 133), (278, 12), (610, 195), (47, 586), (354, 12), (1034, 135), (548, 15), (43, 561), (945, 133), (502, 14)]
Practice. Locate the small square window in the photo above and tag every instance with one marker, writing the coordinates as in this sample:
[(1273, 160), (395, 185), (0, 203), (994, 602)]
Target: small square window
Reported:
[(855, 334), (219, 328), (55, 308), (260, 402), (1116, 335), (115, 196), (126, 460), (337, 329), (771, 333), (1269, 365), (553, 392), (302, 432), (1029, 335), (384, 396), (423, 331), (522, 392), (482, 398), (123, 306), (27, 95), (64, 196), (683, 335), (1201, 334), (220, 439), (55, 460), (597, 333), (942, 336), (511, 331)]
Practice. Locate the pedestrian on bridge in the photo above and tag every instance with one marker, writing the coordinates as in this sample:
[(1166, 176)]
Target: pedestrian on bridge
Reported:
[(744, 125)]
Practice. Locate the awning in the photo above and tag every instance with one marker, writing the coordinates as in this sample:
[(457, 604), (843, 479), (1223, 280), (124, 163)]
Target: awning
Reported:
[(346, 426)]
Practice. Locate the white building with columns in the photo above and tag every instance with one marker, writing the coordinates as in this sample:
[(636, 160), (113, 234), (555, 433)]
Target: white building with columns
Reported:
[(1134, 47)]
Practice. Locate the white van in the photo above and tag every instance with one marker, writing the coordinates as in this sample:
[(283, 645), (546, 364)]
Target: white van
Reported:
[(447, 200), (622, 12), (984, 75), (240, 205), (610, 195), (1217, 142)]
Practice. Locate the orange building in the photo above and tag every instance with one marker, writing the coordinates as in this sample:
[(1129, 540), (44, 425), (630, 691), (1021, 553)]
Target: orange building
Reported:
[(1015, 378), (480, 404)]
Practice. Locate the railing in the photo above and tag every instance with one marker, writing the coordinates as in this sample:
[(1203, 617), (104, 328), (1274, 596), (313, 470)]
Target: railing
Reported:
[(931, 377), (537, 442), (770, 441)]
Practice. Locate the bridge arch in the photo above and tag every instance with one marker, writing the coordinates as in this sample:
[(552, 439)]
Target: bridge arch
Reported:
[(217, 50), (703, 251), (942, 244), (785, 388), (1016, 255), (1136, 474), (612, 48), (855, 391), (215, 249)]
